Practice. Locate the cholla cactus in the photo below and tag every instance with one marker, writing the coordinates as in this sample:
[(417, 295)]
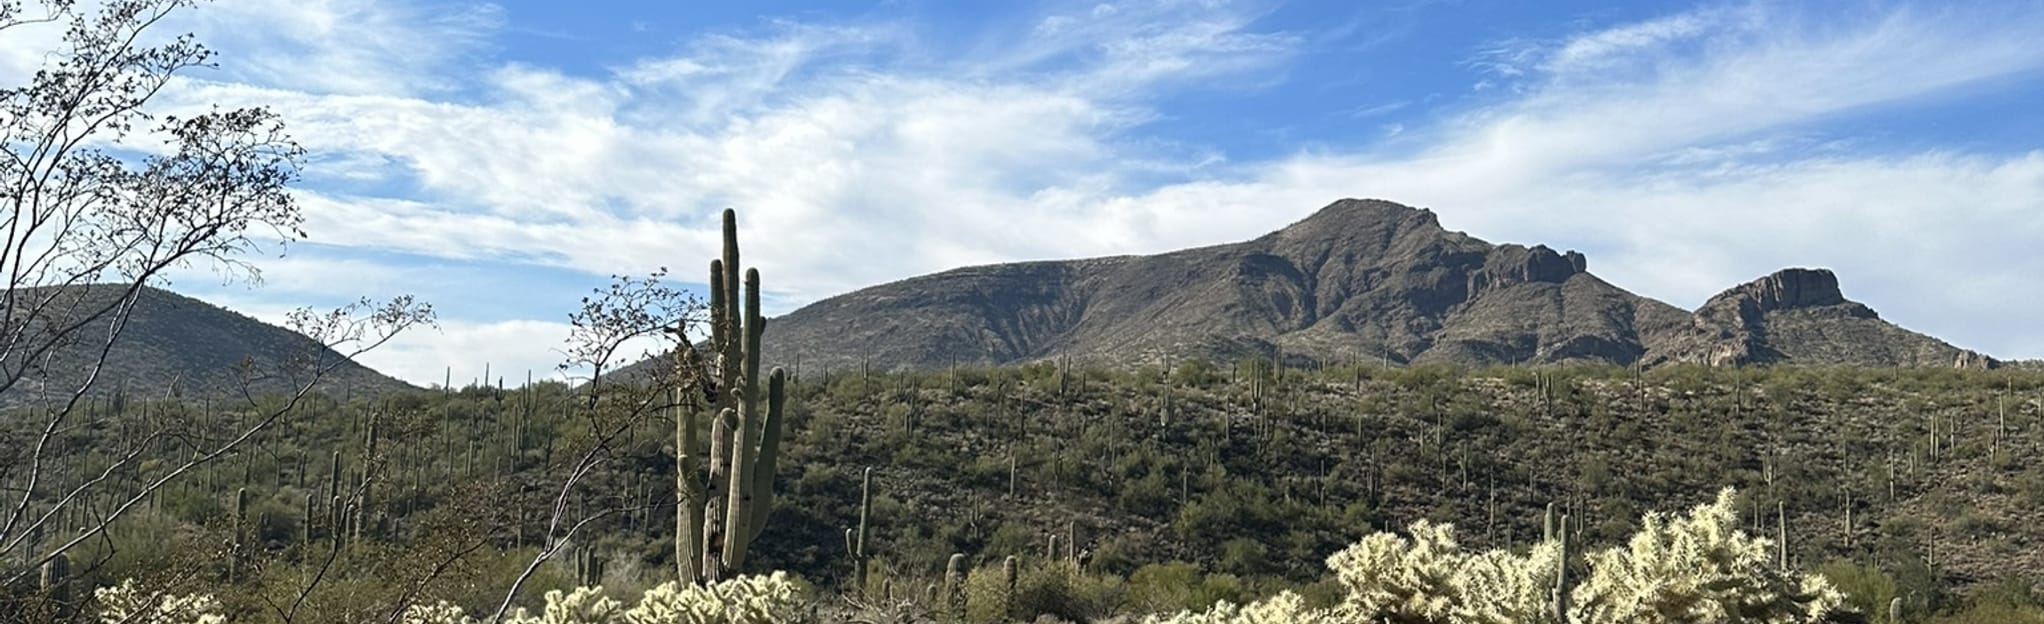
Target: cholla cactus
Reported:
[(1429, 578), (1699, 568), (744, 600), (437, 613), (585, 605), (127, 604), (1284, 608), (1696, 568)]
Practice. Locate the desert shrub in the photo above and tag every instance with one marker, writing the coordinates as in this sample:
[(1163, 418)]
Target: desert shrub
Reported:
[(2009, 601), (1119, 555), (986, 595), (1867, 589), (1060, 590), (1195, 372), (1993, 614), (1180, 586)]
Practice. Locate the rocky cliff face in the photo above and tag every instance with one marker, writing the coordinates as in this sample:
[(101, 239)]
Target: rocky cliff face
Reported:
[(1799, 315), (1787, 289), (1363, 280)]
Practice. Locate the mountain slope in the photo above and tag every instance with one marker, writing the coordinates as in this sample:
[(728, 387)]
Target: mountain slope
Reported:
[(1358, 280), (177, 345)]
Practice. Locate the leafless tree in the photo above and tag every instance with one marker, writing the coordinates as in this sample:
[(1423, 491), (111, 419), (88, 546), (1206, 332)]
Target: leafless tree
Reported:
[(630, 311), (99, 199)]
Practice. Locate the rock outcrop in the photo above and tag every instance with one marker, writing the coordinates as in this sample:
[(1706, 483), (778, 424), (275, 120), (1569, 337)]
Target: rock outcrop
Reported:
[(1800, 315)]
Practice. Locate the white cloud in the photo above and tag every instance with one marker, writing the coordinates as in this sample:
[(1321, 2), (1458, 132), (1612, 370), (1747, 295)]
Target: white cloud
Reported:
[(342, 46), (1678, 150), (464, 350), (1690, 176), (1604, 49), (888, 173)]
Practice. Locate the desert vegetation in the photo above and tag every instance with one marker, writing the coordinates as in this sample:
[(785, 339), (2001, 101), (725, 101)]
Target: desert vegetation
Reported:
[(700, 488), (1083, 493)]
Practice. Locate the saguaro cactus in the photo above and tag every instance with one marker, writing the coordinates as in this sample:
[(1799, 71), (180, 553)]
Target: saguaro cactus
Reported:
[(1008, 586), (954, 586), (362, 519), (857, 542), (56, 575), (1561, 582), (588, 568), (1547, 524), (1781, 527), (238, 549), (718, 519)]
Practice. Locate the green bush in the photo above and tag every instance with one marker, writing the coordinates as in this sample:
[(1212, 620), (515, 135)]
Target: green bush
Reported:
[(1867, 589), (1180, 586), (1060, 590)]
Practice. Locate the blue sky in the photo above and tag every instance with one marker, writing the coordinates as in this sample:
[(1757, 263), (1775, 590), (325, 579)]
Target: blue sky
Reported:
[(499, 160)]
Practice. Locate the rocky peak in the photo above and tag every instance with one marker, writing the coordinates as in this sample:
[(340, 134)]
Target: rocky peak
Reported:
[(1360, 219), (1514, 264), (1788, 289)]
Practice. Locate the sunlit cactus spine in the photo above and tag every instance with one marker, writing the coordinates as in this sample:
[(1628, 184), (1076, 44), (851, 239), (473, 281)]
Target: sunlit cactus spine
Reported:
[(720, 518)]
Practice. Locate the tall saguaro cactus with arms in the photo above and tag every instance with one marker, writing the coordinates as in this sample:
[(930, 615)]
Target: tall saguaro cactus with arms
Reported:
[(718, 517)]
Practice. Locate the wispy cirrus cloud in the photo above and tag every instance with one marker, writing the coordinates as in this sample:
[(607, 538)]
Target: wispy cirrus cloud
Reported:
[(345, 46)]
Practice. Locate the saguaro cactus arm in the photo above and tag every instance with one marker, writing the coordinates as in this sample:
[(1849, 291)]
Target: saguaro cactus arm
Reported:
[(769, 455), (714, 527), (688, 530)]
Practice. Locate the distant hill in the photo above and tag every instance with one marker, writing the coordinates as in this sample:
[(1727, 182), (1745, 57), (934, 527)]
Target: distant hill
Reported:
[(1358, 280), (175, 345)]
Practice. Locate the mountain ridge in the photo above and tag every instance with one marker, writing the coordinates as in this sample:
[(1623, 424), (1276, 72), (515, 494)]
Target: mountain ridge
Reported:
[(1355, 280), (177, 345)]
